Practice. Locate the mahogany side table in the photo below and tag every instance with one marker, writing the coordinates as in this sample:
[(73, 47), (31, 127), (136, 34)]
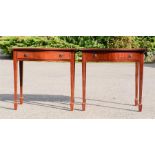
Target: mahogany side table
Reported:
[(115, 55), (42, 54)]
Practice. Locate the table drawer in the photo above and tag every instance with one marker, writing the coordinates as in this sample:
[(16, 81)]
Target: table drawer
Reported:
[(111, 56), (126, 56), (54, 55), (93, 56)]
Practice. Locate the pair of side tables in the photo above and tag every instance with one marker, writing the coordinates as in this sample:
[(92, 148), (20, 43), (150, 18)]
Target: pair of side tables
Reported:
[(88, 55)]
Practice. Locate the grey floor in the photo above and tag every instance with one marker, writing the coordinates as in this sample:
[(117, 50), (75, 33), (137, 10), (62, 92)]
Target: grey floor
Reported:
[(110, 91)]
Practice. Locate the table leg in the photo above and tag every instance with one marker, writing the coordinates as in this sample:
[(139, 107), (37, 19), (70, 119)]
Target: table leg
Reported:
[(136, 82), (15, 64), (21, 81), (84, 85), (72, 72), (140, 84)]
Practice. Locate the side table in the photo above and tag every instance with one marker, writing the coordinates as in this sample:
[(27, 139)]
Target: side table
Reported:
[(115, 55), (42, 54)]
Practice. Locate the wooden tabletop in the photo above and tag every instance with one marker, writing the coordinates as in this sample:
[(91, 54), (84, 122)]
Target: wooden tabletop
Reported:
[(143, 50), (115, 49), (42, 49)]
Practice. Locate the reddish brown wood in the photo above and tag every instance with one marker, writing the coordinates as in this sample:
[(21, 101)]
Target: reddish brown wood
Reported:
[(42, 54), (83, 82), (21, 80), (112, 56), (72, 73), (141, 50), (38, 49), (115, 55), (141, 81), (15, 62), (136, 82)]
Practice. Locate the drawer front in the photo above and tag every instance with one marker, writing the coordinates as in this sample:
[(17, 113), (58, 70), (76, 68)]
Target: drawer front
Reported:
[(111, 56), (54, 55), (93, 56)]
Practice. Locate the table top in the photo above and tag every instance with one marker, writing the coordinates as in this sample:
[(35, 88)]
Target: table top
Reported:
[(81, 49), (42, 49), (115, 49)]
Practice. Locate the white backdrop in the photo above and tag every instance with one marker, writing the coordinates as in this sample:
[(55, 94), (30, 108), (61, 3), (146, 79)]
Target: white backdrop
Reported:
[(77, 17)]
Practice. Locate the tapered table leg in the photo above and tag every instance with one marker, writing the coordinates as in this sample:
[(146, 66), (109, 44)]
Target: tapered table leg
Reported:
[(21, 81), (141, 83), (83, 84), (15, 63), (136, 82), (72, 73)]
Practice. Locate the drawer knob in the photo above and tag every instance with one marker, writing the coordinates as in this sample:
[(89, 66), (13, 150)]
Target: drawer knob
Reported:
[(129, 56), (94, 55), (60, 55), (26, 55)]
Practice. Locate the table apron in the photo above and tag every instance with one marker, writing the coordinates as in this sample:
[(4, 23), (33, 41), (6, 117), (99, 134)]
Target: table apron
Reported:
[(112, 57), (44, 56)]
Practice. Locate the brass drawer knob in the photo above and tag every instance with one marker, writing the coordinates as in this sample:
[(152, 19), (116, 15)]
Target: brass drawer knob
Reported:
[(60, 55), (94, 55), (129, 56), (26, 55)]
